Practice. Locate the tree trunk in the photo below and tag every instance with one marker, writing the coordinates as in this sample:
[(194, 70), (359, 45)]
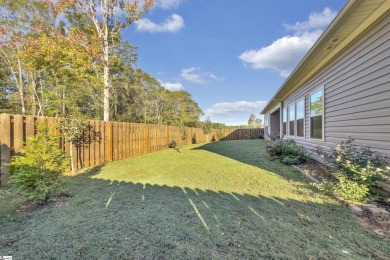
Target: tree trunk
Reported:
[(22, 101), (144, 115), (106, 77), (39, 97), (33, 92), (71, 156), (63, 103), (21, 93)]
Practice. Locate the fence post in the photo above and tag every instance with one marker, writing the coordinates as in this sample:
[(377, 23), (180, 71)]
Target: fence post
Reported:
[(5, 140)]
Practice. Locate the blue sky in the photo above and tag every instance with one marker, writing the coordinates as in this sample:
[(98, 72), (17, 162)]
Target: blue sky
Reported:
[(231, 55)]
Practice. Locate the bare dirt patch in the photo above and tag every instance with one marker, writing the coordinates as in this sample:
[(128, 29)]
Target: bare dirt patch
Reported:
[(31, 206), (316, 170), (378, 225)]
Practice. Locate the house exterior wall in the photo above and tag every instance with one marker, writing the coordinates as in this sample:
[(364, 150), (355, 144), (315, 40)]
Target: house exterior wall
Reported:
[(356, 89)]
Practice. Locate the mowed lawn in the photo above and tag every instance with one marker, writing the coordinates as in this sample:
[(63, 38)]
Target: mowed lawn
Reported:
[(223, 200)]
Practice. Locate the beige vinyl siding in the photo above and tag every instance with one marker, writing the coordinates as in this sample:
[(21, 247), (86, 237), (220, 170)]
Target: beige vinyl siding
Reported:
[(357, 93)]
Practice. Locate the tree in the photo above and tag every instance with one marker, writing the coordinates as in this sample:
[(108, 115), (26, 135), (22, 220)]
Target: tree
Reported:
[(207, 127), (254, 122), (109, 18), (181, 109), (62, 62), (16, 23), (258, 122), (72, 128), (54, 65), (251, 120)]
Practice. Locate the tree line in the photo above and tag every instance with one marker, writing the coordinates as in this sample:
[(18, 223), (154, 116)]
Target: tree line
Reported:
[(68, 58)]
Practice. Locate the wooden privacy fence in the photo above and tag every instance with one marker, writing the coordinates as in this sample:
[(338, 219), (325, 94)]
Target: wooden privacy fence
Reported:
[(105, 141)]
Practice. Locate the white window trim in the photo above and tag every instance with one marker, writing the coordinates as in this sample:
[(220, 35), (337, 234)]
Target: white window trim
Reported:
[(281, 129), (288, 119), (323, 113), (304, 118)]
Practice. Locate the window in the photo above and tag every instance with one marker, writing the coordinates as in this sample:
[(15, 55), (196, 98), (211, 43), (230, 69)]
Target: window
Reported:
[(291, 123), (316, 113), (284, 121), (300, 118)]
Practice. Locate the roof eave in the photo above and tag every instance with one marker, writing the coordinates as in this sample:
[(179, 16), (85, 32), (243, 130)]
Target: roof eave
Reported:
[(306, 59)]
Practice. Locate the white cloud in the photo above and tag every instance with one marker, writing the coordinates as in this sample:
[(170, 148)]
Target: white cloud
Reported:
[(315, 21), (285, 53), (173, 23), (167, 4), (234, 113), (195, 75), (172, 86)]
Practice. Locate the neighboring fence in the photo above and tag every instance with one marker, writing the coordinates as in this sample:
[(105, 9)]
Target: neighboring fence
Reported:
[(105, 141), (242, 133)]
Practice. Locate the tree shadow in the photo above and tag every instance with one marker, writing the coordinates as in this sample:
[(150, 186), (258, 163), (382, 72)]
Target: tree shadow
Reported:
[(119, 220), (251, 152), (90, 135)]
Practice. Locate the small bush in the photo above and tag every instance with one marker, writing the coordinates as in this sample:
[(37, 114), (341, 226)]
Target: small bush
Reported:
[(220, 136), (287, 152), (355, 170), (35, 173), (172, 144), (259, 136)]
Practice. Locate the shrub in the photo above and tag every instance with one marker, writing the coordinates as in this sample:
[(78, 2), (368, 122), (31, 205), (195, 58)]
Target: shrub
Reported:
[(36, 172), (355, 170), (220, 136), (259, 136), (172, 144), (287, 152)]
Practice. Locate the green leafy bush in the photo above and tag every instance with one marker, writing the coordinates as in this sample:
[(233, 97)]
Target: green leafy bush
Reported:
[(287, 152), (259, 136), (220, 136), (355, 170), (172, 144), (36, 172)]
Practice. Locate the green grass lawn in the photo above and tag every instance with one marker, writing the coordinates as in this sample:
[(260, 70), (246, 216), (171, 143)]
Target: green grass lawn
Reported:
[(222, 200)]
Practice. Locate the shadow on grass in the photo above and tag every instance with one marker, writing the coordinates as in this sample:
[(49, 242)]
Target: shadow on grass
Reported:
[(119, 220), (251, 152)]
